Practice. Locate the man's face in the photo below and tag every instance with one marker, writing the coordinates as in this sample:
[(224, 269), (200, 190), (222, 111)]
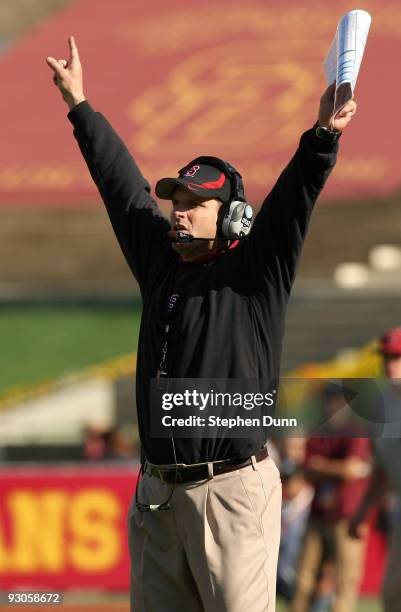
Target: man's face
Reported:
[(194, 215), (392, 366)]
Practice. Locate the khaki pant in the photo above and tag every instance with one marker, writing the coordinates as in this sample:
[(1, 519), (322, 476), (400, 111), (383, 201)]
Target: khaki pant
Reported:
[(215, 550), (392, 580), (348, 561)]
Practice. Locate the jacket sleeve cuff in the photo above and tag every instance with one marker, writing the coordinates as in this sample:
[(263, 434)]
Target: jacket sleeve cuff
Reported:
[(80, 114)]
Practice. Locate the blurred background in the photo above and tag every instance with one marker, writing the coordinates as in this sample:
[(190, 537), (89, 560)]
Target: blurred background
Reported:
[(240, 80)]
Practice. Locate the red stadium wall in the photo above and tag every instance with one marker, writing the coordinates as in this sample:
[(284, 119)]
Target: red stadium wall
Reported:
[(237, 80)]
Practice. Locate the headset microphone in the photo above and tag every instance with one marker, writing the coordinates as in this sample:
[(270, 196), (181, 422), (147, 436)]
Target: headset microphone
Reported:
[(184, 238)]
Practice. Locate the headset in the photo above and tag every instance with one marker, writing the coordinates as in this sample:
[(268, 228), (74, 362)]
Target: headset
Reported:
[(237, 214)]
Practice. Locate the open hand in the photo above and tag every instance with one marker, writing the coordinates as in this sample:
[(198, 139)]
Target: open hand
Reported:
[(326, 118), (68, 75)]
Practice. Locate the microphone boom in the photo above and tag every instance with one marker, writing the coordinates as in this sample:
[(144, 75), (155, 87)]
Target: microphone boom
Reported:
[(184, 238)]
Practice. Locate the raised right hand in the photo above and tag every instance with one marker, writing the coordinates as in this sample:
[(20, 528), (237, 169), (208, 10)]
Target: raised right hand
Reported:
[(68, 75)]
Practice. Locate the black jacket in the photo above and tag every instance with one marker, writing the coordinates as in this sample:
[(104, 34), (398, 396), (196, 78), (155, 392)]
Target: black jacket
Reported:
[(230, 319)]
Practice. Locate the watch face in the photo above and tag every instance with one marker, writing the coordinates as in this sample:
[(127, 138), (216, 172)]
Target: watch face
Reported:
[(325, 134)]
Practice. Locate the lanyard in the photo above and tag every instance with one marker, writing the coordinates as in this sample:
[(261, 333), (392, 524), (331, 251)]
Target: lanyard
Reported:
[(171, 309)]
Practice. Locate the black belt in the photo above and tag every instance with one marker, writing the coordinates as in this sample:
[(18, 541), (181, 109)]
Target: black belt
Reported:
[(201, 472)]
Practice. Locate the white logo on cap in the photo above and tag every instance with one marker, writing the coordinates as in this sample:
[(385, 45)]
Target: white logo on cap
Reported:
[(192, 171)]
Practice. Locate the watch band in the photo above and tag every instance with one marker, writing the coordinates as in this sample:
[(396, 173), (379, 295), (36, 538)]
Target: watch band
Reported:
[(324, 133)]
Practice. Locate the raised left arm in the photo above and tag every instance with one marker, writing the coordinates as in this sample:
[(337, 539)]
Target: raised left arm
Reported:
[(274, 245)]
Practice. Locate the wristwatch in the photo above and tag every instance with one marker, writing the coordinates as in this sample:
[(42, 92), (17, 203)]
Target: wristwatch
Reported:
[(324, 133)]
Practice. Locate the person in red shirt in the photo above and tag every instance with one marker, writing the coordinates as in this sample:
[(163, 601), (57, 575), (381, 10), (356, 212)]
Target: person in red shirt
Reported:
[(338, 468), (386, 475)]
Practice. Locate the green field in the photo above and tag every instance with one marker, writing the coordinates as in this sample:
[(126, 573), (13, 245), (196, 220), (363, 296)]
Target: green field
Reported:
[(43, 342)]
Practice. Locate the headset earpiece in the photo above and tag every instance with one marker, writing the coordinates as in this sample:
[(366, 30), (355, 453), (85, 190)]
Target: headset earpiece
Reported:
[(237, 220)]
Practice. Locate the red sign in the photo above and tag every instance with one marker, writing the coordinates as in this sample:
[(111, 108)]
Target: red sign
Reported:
[(65, 527), (240, 81)]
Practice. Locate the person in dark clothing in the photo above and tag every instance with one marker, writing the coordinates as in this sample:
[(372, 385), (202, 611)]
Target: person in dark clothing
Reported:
[(213, 308)]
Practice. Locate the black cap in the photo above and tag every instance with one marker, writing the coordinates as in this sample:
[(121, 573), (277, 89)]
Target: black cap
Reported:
[(202, 179)]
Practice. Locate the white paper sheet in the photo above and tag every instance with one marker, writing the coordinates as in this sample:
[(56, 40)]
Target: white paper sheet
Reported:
[(344, 58)]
